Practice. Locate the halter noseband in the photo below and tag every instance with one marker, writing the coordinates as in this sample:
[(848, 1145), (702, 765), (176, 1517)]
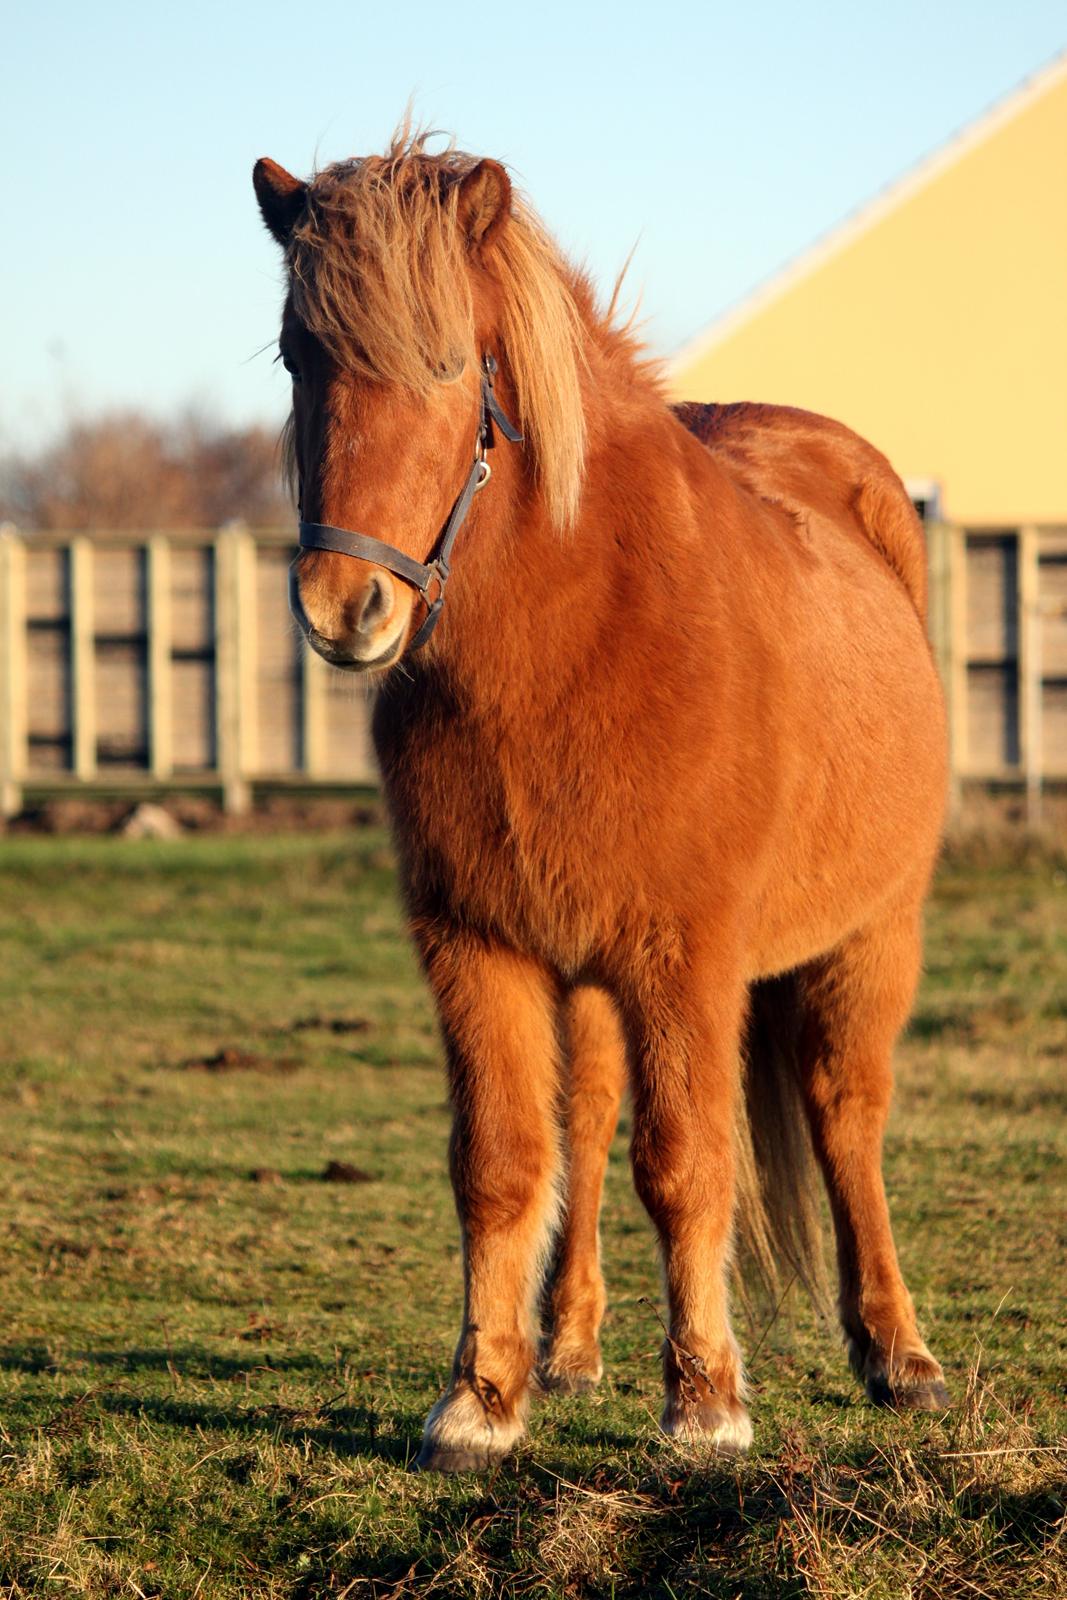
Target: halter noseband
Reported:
[(422, 575)]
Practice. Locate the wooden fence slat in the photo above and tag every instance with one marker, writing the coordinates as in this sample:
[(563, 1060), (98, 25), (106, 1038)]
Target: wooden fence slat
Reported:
[(1030, 671), (13, 751), (313, 670), (939, 624), (160, 650), (247, 623), (957, 654), (230, 741), (954, 661), (82, 658)]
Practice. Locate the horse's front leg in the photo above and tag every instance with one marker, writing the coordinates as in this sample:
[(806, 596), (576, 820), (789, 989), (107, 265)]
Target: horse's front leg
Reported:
[(685, 1029), (498, 1013)]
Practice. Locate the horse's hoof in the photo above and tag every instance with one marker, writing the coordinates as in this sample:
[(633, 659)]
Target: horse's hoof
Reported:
[(929, 1394), (720, 1427), (574, 1374), (461, 1435), (569, 1382), (907, 1383)]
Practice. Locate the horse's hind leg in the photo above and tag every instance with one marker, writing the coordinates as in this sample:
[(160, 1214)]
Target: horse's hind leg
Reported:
[(684, 1029), (853, 1004), (596, 1073)]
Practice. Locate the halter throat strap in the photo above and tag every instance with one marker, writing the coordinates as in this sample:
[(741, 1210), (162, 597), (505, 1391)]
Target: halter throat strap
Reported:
[(425, 576)]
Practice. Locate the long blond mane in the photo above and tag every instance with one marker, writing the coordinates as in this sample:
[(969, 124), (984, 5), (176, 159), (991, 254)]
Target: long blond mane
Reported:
[(380, 272)]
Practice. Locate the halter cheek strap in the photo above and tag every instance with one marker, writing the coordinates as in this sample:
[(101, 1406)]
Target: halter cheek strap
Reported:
[(424, 575)]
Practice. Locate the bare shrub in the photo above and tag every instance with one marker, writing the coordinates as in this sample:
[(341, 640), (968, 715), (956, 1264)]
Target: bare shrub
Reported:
[(125, 470)]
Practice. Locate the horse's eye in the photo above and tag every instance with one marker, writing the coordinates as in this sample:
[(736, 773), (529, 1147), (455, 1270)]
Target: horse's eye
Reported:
[(290, 366)]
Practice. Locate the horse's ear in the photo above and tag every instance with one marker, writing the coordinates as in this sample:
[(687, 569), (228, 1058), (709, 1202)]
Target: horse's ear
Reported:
[(484, 203), (281, 197)]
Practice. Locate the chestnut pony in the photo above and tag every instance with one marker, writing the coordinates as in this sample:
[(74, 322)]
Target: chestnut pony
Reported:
[(666, 779)]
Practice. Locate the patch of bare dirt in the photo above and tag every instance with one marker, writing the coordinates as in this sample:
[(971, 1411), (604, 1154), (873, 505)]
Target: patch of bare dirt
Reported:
[(198, 813), (231, 1060), (267, 1175), (258, 1330), (330, 1024), (344, 1172)]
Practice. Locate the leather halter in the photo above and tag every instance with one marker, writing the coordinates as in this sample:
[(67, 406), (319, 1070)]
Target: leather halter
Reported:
[(422, 575)]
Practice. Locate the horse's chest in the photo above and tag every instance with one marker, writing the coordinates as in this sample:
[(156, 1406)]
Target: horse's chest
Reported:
[(497, 835)]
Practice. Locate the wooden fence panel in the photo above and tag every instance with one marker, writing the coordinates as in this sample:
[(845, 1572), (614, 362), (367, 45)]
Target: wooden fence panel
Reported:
[(48, 713), (277, 707), (120, 645), (132, 660), (1052, 583), (47, 583), (992, 598), (1053, 749), (347, 751), (192, 621)]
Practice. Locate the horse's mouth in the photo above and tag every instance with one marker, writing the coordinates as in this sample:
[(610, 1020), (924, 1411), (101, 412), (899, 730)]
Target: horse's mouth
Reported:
[(344, 661), (375, 664)]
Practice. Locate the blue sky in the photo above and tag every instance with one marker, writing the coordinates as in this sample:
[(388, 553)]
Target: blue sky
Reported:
[(723, 138)]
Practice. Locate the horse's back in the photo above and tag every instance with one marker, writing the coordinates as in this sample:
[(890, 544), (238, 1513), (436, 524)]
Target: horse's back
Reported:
[(811, 464)]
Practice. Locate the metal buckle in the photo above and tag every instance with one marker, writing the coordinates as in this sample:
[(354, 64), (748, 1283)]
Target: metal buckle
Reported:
[(486, 474), (441, 574)]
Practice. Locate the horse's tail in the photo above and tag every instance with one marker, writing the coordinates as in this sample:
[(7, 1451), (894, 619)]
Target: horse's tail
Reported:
[(892, 524), (778, 1214)]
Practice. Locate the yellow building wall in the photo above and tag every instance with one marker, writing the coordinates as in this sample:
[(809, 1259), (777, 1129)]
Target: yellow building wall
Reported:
[(938, 331)]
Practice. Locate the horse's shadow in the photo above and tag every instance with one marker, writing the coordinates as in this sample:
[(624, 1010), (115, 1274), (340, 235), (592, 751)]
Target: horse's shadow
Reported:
[(345, 1429), (188, 1360)]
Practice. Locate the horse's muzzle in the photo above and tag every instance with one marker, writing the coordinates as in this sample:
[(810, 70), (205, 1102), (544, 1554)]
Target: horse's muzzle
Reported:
[(362, 631)]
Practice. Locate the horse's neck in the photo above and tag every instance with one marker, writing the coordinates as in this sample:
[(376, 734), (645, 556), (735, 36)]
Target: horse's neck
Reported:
[(528, 603)]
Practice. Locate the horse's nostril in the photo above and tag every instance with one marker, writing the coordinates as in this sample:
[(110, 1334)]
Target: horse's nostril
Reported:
[(375, 607)]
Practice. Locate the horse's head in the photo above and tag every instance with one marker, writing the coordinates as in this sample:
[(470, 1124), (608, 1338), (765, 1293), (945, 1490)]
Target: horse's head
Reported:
[(399, 269)]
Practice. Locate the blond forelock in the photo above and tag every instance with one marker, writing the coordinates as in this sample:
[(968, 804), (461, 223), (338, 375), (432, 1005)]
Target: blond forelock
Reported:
[(380, 272)]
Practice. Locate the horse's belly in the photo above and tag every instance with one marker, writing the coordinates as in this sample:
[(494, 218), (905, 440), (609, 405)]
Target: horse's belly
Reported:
[(862, 831)]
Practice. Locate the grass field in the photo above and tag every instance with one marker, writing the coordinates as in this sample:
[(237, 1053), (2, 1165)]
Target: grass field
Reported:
[(214, 1363)]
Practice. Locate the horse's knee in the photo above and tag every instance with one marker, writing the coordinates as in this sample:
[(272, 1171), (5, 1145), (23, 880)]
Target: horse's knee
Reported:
[(500, 1188), (676, 1181)]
